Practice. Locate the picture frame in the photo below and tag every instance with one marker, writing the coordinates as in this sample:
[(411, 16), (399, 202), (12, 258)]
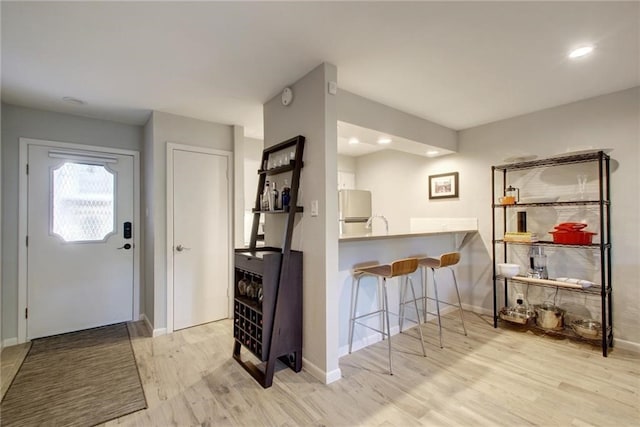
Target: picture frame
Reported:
[(443, 186)]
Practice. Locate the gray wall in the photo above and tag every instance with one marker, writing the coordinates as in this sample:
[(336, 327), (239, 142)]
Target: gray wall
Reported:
[(1, 204), (20, 122), (313, 114), (609, 121), (163, 128)]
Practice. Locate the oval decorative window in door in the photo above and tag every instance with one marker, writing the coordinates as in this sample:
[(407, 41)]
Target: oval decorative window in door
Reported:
[(83, 208)]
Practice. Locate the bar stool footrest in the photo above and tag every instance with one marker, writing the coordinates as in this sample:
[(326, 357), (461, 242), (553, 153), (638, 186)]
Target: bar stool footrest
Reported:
[(451, 304), (384, 334)]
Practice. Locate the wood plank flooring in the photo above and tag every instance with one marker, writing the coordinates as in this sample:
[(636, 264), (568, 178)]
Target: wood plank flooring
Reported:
[(12, 358), (492, 377)]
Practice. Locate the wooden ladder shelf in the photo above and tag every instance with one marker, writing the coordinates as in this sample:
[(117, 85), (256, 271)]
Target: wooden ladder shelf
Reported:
[(268, 281)]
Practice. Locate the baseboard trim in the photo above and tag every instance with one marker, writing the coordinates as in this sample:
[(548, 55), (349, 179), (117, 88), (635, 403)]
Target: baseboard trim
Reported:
[(319, 374), (159, 332), (154, 332), (9, 342), (626, 345), (477, 310)]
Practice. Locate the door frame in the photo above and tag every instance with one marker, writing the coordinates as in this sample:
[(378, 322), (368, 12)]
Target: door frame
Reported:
[(171, 147), (23, 157)]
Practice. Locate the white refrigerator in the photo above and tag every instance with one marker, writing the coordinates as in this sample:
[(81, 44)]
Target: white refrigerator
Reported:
[(355, 210)]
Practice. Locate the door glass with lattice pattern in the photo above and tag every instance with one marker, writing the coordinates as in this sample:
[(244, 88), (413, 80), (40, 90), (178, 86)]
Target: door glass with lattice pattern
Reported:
[(83, 208)]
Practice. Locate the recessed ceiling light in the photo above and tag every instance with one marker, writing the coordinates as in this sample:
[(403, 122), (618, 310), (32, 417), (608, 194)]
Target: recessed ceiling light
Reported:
[(432, 153), (384, 140), (581, 52), (353, 141), (74, 101)]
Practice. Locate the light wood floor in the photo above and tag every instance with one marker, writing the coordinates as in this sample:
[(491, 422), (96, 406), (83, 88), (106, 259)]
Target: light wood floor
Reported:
[(489, 378)]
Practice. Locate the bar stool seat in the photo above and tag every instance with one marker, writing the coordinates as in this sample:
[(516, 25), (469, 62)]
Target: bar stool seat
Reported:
[(400, 268), (446, 260)]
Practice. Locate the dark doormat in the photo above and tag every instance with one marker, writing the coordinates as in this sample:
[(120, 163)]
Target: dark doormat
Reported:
[(82, 378)]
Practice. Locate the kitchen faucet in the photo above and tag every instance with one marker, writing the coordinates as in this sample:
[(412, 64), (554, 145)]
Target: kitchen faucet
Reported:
[(386, 223)]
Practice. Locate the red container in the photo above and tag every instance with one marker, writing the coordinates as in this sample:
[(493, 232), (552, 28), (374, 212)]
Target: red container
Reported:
[(575, 237), (571, 226)]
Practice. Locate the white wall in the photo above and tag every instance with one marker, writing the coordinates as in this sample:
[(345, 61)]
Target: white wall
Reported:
[(399, 186), (313, 115), (169, 128), (346, 164), (238, 186), (148, 217), (609, 121), (369, 114), (20, 122), (252, 155)]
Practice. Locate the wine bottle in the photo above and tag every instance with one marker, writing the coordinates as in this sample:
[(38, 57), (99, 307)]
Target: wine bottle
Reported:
[(286, 195), (276, 197)]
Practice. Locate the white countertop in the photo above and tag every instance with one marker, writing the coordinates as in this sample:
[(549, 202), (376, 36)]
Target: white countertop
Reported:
[(398, 235)]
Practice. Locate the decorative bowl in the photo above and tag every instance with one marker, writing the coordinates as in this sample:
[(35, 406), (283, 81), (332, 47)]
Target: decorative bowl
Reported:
[(508, 270)]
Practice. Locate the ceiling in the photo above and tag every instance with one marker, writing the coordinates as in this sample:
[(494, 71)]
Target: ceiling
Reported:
[(458, 64), (356, 141)]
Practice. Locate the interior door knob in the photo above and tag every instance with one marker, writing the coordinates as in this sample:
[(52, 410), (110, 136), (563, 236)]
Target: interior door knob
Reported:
[(181, 248)]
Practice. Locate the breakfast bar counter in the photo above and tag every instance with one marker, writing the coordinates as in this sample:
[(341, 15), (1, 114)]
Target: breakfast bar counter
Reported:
[(425, 237), (399, 235)]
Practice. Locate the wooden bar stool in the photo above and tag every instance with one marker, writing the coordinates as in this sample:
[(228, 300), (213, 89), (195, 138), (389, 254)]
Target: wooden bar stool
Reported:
[(446, 260), (400, 268)]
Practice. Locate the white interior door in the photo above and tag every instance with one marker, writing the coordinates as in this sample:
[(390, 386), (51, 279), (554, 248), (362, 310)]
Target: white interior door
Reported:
[(79, 261), (201, 238)]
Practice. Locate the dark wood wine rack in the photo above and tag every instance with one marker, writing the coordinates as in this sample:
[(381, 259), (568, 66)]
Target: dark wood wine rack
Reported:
[(270, 325)]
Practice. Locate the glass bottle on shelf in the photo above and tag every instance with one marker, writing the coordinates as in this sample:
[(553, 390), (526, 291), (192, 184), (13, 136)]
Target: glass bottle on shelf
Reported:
[(266, 195), (285, 194), (275, 198)]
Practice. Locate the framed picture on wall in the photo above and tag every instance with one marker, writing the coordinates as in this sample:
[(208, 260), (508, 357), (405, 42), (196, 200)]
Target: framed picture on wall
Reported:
[(443, 186)]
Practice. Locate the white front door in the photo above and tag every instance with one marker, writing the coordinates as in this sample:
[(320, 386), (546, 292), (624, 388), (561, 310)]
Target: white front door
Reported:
[(79, 255), (201, 237)]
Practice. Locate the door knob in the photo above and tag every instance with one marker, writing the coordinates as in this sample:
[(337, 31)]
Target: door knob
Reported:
[(126, 246), (181, 248)]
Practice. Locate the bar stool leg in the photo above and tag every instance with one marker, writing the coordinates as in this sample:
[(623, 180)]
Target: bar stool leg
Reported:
[(455, 282), (435, 289), (415, 304), (423, 275), (355, 287), (386, 315), (403, 295), (381, 304)]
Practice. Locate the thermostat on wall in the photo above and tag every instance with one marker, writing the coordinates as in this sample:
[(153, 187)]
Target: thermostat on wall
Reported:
[(287, 96)]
